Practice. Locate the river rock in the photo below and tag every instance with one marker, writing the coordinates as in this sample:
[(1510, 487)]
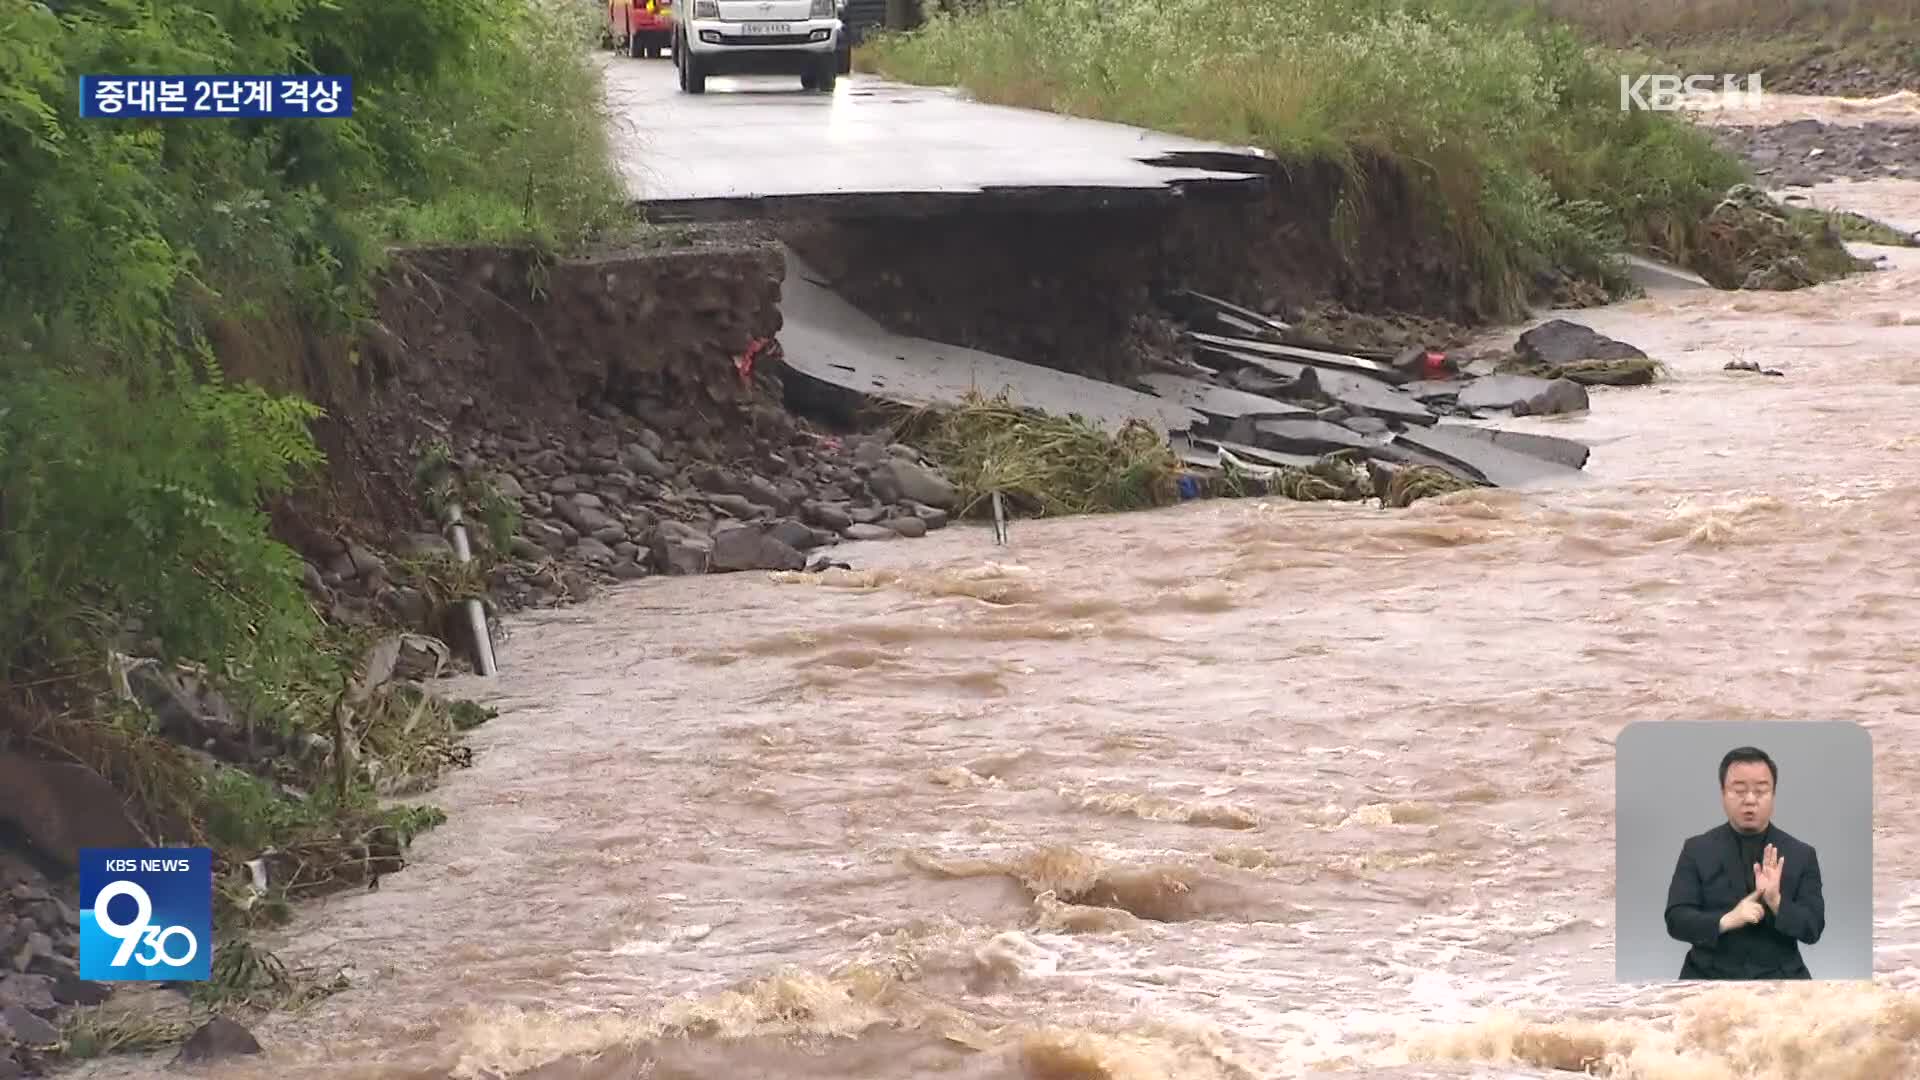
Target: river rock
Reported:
[(1524, 395), (365, 563), (588, 518), (506, 484), (545, 534), (550, 462), (680, 549), (906, 526), (866, 515), (32, 993), (71, 989), (861, 530), (755, 489), (739, 506), (898, 479), (794, 534), (826, 515), (408, 605), (218, 1038), (645, 462), (753, 547), (1558, 341), (935, 517), (593, 552), (62, 807), (26, 1028), (424, 546)]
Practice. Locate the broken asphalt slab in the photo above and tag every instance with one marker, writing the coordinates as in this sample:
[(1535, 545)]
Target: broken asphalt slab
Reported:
[(1216, 402), (1197, 309), (844, 359), (1317, 357), (1495, 463), (1254, 454), (1553, 448), (1360, 393), (1307, 435)]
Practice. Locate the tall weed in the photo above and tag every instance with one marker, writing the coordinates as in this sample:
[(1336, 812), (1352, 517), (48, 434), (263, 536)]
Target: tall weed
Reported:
[(132, 472), (1500, 116)]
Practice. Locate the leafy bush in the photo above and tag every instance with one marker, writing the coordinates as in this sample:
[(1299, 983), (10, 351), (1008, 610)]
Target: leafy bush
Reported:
[(1501, 118), (122, 505), (134, 463)]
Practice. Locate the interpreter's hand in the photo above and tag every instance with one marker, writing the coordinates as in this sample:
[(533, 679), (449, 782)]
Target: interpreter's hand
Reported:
[(1766, 877), (1746, 913)]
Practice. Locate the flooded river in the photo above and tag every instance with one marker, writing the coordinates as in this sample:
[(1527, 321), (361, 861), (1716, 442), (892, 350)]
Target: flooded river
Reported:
[(1235, 789)]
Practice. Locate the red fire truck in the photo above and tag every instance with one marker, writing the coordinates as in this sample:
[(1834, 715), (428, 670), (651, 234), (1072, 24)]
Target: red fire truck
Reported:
[(642, 28)]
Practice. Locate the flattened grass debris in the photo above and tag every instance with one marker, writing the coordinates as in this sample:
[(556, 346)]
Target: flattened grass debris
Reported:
[(1044, 466), (1416, 482), (1626, 371)]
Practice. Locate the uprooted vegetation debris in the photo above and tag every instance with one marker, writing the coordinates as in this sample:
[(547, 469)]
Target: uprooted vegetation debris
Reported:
[(1280, 412)]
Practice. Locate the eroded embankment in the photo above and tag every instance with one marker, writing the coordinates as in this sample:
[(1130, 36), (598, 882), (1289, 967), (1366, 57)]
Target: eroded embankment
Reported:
[(620, 414), (1079, 291)]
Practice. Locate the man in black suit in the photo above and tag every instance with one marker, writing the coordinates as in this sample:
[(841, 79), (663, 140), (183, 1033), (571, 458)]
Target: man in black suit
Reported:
[(1746, 894)]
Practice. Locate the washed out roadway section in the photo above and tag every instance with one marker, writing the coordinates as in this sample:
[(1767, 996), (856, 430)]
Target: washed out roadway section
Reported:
[(759, 145)]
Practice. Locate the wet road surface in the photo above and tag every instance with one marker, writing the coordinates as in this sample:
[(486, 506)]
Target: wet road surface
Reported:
[(760, 137)]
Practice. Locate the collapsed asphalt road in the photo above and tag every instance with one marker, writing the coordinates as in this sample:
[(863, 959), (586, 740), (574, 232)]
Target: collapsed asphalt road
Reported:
[(754, 145)]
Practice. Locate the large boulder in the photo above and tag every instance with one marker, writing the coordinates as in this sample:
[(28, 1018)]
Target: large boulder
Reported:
[(679, 548), (217, 1039), (1524, 395), (1557, 341), (901, 479), (61, 808), (753, 547)]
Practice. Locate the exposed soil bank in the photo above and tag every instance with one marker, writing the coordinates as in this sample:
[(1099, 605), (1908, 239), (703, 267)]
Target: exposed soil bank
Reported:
[(1077, 291), (464, 334)]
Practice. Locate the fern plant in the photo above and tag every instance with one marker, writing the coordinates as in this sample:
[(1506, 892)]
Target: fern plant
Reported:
[(144, 502)]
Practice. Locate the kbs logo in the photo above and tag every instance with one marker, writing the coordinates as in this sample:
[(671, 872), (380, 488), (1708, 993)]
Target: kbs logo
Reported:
[(146, 914), (1670, 93)]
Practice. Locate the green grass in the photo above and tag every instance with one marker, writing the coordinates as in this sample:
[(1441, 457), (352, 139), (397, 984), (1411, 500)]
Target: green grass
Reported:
[(1504, 120), (1858, 228), (1755, 21), (137, 458)]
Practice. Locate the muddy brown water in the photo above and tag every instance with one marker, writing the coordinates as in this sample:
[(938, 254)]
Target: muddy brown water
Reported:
[(1232, 789)]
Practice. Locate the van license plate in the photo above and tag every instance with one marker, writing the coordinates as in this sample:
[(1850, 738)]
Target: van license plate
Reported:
[(763, 29)]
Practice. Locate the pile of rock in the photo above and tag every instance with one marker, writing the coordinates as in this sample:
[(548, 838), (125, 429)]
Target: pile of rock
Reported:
[(616, 498), (39, 967), (1807, 152)]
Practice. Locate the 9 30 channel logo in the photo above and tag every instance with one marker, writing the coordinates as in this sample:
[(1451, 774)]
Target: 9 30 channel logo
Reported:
[(146, 914)]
